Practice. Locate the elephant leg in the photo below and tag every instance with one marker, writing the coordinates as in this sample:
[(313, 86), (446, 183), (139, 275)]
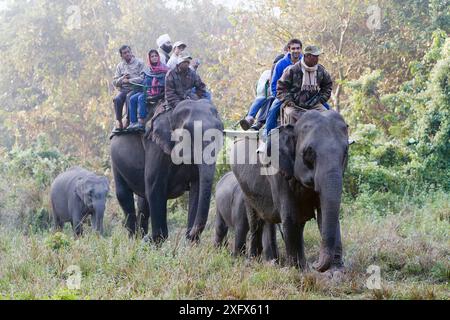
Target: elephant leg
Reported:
[(293, 237), (156, 192), (270, 248), (59, 225), (241, 229), (240, 239), (76, 210), (256, 225), (125, 197), (193, 205), (144, 215), (221, 231), (77, 226)]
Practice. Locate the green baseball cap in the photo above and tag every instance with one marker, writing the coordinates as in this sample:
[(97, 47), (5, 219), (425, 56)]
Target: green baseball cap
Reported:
[(314, 50), (184, 57)]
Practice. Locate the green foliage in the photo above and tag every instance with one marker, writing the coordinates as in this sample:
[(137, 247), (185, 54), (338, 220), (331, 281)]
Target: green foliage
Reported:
[(391, 155), (27, 174), (40, 162), (66, 294), (57, 241), (413, 149), (433, 125)]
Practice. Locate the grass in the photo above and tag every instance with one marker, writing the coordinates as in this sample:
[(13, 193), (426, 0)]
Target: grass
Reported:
[(410, 245)]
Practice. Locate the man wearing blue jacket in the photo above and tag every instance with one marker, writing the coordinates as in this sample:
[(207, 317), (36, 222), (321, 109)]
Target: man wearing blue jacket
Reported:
[(292, 57)]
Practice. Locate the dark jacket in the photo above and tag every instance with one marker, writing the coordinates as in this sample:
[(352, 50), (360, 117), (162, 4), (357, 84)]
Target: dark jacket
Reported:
[(281, 65), (179, 86), (290, 84)]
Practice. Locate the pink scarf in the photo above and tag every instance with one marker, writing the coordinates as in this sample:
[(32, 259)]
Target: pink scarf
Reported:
[(156, 69)]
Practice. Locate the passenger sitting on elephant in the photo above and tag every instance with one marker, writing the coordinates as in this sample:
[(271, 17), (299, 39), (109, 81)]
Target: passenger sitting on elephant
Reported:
[(127, 71), (180, 82), (153, 78), (194, 66), (262, 94), (249, 121), (304, 86), (178, 48)]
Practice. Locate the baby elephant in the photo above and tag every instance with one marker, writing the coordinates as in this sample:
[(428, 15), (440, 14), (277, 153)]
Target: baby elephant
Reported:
[(77, 193), (231, 212)]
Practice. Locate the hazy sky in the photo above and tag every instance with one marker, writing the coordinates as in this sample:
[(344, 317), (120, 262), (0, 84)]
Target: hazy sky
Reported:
[(228, 3)]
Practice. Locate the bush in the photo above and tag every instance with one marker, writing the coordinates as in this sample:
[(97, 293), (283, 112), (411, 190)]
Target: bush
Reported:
[(57, 241), (26, 178)]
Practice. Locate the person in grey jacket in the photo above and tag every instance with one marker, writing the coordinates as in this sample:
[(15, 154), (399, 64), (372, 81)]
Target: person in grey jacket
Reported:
[(127, 71)]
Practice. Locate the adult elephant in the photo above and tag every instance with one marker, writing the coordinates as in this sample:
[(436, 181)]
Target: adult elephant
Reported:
[(312, 158), (173, 168), (139, 161), (127, 157)]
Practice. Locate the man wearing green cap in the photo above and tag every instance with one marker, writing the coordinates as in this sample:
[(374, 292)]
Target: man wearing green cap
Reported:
[(305, 85), (180, 82)]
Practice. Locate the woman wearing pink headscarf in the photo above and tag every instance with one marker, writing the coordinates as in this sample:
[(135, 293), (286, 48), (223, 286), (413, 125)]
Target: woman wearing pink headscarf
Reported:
[(153, 75)]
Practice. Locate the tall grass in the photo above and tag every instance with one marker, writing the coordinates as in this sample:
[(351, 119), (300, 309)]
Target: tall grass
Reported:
[(409, 243)]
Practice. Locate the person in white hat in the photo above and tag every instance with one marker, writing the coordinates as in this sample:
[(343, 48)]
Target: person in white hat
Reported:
[(164, 47), (178, 48)]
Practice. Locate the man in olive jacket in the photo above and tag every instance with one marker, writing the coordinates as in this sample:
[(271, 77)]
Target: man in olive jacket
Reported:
[(305, 85), (180, 82)]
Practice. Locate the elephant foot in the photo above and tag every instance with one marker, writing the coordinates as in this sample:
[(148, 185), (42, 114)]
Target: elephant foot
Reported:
[(272, 262), (324, 262), (194, 239), (147, 239), (153, 240), (302, 264), (194, 234), (333, 275), (299, 263)]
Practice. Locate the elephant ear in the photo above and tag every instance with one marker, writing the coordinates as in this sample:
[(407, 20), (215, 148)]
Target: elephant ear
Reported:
[(286, 146), (159, 130), (79, 188), (105, 182)]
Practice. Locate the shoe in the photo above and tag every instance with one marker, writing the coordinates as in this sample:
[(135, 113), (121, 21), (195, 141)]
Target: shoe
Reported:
[(141, 127), (133, 126), (118, 128), (257, 126), (247, 122), (262, 147)]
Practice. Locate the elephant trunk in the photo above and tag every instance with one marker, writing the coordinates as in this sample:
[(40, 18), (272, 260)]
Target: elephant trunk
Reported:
[(97, 218), (330, 192), (206, 178)]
